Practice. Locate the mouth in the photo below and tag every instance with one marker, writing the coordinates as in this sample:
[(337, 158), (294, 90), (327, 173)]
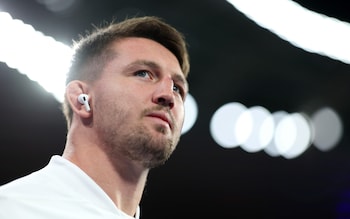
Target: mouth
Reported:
[(162, 116)]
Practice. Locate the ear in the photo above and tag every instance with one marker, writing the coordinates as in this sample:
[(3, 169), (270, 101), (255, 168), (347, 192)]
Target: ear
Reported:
[(73, 90)]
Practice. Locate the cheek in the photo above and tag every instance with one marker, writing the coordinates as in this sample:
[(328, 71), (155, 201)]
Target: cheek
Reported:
[(180, 115), (110, 112)]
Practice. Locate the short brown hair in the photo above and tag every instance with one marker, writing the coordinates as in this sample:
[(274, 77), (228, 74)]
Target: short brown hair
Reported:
[(92, 51)]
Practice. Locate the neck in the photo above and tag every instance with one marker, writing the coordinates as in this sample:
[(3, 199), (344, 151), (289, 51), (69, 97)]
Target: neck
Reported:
[(122, 180)]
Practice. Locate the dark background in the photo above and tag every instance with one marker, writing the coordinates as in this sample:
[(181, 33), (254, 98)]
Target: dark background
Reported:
[(232, 60)]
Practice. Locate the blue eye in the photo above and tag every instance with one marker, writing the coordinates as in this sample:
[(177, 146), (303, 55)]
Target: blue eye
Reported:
[(179, 89), (176, 88), (143, 73)]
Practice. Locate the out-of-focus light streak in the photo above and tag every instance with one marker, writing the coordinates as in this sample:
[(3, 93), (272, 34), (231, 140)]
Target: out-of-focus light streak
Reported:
[(303, 28), (40, 57)]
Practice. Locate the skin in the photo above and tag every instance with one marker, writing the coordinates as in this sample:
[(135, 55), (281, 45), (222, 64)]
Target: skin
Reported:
[(137, 112)]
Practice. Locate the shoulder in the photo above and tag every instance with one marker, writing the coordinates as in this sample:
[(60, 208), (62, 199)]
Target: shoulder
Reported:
[(27, 183), (43, 191), (34, 183)]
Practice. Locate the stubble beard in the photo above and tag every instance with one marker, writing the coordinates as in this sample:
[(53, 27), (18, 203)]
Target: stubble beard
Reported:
[(148, 150), (137, 143)]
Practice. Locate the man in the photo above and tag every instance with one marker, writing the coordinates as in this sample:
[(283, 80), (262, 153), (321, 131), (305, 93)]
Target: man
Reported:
[(124, 105)]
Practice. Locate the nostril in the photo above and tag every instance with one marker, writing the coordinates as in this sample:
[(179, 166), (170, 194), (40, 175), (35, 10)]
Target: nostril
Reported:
[(161, 100), (165, 102)]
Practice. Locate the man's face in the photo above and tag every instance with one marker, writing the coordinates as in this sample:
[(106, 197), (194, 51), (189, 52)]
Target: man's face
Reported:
[(139, 102)]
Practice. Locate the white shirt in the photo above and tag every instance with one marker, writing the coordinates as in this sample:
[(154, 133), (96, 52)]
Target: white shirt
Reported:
[(61, 190)]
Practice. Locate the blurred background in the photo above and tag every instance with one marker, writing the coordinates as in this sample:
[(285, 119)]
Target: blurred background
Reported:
[(300, 167)]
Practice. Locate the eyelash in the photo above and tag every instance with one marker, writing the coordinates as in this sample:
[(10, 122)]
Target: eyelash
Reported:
[(180, 90), (143, 71)]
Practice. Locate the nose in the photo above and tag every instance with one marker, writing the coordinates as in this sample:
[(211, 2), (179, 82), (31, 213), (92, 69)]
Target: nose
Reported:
[(164, 94)]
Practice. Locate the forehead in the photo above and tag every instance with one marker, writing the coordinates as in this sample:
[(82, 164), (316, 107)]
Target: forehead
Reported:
[(132, 49), (142, 48)]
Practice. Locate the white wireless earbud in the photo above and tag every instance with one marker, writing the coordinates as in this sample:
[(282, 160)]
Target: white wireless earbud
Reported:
[(84, 99)]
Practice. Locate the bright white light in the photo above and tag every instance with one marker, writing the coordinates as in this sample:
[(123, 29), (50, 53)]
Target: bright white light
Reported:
[(271, 148), (223, 124), (286, 134), (267, 130), (191, 113), (303, 28), (278, 133), (260, 129), (303, 139), (328, 129), (244, 126), (293, 135), (40, 57)]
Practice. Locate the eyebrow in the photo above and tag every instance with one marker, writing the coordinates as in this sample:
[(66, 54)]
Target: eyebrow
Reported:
[(178, 78)]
